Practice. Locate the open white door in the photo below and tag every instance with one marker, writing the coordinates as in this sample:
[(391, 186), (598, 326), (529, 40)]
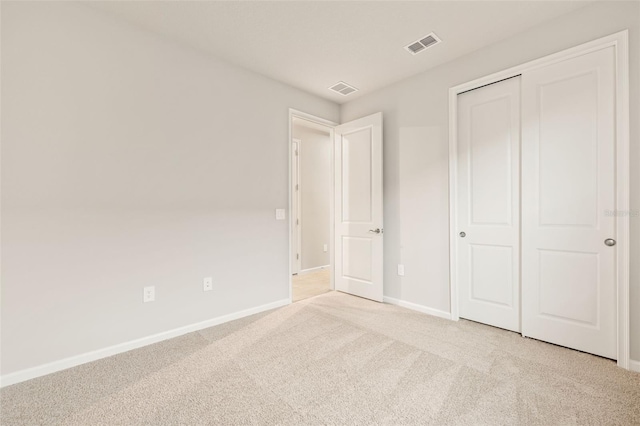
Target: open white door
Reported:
[(358, 207)]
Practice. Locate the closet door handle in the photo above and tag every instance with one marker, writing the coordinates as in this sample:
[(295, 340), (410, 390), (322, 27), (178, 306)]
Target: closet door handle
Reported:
[(463, 234), (610, 242)]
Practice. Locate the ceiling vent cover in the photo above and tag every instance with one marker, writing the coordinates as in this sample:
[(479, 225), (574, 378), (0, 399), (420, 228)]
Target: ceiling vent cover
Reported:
[(343, 88), (423, 43)]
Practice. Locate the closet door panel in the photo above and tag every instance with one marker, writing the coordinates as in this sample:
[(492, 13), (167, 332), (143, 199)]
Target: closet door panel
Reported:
[(568, 172), (488, 204)]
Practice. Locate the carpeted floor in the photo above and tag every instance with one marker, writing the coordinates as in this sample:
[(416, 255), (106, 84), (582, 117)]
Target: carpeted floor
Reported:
[(311, 284), (335, 359)]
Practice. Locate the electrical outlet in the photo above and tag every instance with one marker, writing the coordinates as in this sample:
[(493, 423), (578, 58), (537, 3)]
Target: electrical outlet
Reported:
[(149, 294), (326, 248), (280, 214), (207, 284), (401, 270)]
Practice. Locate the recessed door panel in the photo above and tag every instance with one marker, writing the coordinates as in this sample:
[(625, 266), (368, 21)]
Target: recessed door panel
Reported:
[(491, 275), (357, 258), (568, 149), (356, 176), (569, 284), (490, 162), (568, 172), (487, 247)]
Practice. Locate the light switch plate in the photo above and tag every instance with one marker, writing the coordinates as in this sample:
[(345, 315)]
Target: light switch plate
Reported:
[(280, 214), (401, 270)]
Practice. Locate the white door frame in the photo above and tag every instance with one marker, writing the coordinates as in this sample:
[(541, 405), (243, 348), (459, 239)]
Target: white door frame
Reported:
[(331, 125), (620, 42), (296, 238)]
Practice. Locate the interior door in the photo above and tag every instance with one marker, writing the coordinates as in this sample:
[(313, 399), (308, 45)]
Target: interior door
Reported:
[(358, 207), (568, 185), (488, 198)]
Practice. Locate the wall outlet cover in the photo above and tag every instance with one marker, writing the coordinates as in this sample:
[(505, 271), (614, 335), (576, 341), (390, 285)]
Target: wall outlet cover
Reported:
[(280, 214), (149, 294), (207, 284)]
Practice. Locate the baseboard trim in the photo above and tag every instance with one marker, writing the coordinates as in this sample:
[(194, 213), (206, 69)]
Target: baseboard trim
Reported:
[(415, 307), (633, 365), (310, 270), (63, 364)]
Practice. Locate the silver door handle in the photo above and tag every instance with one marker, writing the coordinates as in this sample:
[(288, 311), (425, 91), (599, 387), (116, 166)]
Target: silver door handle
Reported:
[(610, 242), (375, 231), (463, 234)]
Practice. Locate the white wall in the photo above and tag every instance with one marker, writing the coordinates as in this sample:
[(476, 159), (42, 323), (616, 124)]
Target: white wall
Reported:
[(130, 160), (416, 151), (127, 161), (315, 194)]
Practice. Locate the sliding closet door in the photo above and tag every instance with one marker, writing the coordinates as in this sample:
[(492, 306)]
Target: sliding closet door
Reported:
[(568, 185), (488, 204)]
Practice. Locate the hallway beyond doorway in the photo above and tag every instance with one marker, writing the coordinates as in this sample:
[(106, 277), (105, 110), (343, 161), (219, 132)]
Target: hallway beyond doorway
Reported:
[(311, 284)]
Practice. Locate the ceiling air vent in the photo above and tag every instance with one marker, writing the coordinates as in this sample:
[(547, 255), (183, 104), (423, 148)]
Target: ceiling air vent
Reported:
[(343, 88), (422, 44)]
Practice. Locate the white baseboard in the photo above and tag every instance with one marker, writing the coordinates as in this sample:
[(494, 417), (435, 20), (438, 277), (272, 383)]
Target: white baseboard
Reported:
[(633, 365), (310, 270), (416, 307), (63, 364)]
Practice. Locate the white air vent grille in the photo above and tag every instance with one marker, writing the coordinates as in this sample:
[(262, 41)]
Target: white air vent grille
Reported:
[(416, 47), (422, 44), (343, 88)]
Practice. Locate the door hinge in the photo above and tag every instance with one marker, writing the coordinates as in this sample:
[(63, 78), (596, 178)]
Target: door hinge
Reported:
[(297, 221), (297, 256), (296, 152), (297, 187)]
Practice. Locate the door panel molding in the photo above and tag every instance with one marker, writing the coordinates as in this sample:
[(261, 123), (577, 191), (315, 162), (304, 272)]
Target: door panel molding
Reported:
[(619, 41)]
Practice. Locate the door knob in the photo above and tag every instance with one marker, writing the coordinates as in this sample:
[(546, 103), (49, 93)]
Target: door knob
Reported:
[(610, 242), (375, 231), (463, 234)]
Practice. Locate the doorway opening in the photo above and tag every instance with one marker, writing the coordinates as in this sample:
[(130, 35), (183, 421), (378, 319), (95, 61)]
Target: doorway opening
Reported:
[(311, 218)]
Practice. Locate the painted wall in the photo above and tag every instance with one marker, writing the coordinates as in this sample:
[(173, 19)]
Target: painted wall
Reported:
[(315, 194), (127, 161), (416, 151)]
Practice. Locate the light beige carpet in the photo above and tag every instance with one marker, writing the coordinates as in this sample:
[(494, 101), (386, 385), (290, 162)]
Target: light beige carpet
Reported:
[(311, 284), (339, 360)]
